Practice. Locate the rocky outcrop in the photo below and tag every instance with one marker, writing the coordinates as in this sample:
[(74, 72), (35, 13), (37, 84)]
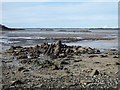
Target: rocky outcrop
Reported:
[(55, 50)]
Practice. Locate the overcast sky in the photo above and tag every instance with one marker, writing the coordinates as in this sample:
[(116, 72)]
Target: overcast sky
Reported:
[(60, 14)]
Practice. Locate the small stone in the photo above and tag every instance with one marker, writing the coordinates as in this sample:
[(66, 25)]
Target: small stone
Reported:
[(117, 63), (94, 72), (96, 62), (103, 56), (91, 56), (108, 64), (85, 82), (115, 56), (17, 82), (64, 62), (77, 60), (21, 68)]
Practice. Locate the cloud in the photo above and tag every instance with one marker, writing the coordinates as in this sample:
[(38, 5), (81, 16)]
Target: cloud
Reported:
[(60, 14)]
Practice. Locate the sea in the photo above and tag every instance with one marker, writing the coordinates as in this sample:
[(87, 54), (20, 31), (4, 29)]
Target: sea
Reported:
[(31, 37)]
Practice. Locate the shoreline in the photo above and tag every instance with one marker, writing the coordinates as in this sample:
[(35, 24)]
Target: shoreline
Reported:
[(49, 71)]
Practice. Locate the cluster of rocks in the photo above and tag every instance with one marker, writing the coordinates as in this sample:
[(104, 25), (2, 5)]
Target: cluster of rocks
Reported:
[(56, 50)]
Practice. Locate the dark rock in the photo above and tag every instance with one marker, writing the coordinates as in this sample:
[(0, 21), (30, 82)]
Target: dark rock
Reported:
[(57, 50), (96, 62), (58, 42), (49, 49), (91, 56), (77, 60), (103, 56), (21, 68), (26, 70), (22, 56), (57, 67), (17, 82), (62, 55), (24, 61), (108, 64), (67, 50), (115, 57), (94, 72), (64, 62), (117, 63)]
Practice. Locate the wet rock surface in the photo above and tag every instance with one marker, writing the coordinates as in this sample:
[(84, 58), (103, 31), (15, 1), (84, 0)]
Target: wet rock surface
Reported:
[(59, 66)]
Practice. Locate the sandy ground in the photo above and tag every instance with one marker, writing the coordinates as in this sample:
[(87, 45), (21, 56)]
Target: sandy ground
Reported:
[(81, 71), (78, 71)]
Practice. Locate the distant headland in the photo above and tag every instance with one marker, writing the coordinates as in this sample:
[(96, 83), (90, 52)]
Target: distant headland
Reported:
[(5, 28)]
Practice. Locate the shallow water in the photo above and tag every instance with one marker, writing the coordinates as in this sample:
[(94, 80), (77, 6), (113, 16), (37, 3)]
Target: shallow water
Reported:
[(95, 44), (31, 37)]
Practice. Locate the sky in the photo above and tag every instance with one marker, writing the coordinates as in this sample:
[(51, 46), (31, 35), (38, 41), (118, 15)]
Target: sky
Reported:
[(51, 14)]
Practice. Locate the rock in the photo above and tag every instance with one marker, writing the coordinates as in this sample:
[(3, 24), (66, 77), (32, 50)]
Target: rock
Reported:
[(38, 86), (94, 72), (91, 56), (23, 56), (58, 42), (115, 57), (67, 50), (49, 49), (64, 62), (96, 62), (81, 50), (15, 47), (57, 50), (108, 64), (103, 56), (24, 61), (62, 55), (96, 51), (117, 63), (85, 82), (57, 67), (21, 68), (17, 82), (77, 60)]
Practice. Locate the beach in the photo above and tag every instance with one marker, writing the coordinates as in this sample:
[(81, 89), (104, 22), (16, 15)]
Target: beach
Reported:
[(60, 59)]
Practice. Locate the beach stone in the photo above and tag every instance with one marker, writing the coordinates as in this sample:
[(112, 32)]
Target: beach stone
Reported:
[(97, 62), (96, 51), (115, 57), (17, 82), (62, 55), (58, 42), (91, 56), (108, 64), (85, 82), (49, 49), (64, 62), (94, 72), (117, 63), (57, 50), (21, 68), (77, 60), (103, 56), (81, 50), (23, 56), (57, 67), (67, 50), (24, 61)]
